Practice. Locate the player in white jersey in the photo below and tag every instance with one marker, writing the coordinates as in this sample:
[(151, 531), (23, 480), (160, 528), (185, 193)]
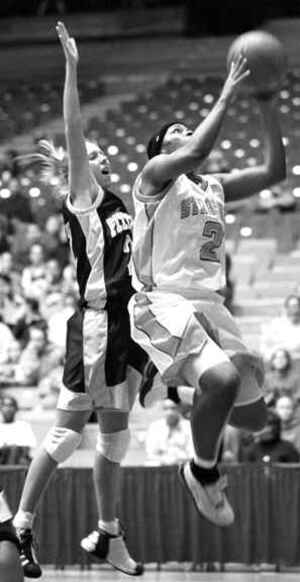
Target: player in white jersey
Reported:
[(177, 314), (103, 366)]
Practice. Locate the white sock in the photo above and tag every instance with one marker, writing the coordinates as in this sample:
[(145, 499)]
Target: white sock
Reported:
[(23, 519), (186, 394), (205, 463), (111, 527)]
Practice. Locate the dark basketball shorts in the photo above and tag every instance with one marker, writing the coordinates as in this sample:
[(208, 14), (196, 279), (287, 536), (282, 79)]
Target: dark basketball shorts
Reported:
[(103, 364)]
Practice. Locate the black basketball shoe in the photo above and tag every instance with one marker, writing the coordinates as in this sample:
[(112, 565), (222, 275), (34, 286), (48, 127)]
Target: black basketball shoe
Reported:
[(31, 567)]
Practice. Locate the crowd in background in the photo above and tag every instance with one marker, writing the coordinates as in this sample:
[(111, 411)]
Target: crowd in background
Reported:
[(38, 293)]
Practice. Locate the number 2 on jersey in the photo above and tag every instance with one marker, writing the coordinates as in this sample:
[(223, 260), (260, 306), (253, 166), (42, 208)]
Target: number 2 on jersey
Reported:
[(215, 233)]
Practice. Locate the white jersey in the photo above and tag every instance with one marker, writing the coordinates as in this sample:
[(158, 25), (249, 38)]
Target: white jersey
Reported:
[(178, 238)]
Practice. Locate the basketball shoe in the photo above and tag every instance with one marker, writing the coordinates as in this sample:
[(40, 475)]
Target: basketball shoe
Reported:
[(209, 498), (111, 549), (30, 565)]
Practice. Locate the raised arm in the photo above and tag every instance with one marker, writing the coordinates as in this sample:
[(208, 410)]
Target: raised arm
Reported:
[(83, 186), (165, 167), (247, 182)]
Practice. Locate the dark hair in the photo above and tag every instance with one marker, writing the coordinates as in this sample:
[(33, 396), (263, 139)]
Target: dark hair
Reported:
[(12, 399), (287, 355), (6, 278), (155, 142), (33, 304), (289, 297)]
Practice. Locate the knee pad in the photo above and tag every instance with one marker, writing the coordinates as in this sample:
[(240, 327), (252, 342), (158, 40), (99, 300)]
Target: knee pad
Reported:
[(113, 445), (61, 442)]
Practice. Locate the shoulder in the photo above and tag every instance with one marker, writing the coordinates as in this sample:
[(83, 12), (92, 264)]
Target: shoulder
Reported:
[(215, 182), (70, 208), (141, 197), (112, 202)]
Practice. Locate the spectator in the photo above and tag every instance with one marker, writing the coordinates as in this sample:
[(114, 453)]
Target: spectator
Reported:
[(6, 339), (69, 282), (269, 447), (38, 358), (286, 408), (4, 234), (9, 365), (231, 444), (7, 268), (15, 433), (51, 235), (284, 331), (29, 314), (169, 440), (34, 275), (48, 390), (282, 377), (25, 236), (11, 304), (53, 276)]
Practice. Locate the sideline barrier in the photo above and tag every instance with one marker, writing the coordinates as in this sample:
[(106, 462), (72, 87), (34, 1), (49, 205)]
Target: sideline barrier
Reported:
[(160, 519)]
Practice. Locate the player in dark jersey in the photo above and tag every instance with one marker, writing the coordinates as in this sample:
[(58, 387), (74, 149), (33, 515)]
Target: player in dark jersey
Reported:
[(103, 366)]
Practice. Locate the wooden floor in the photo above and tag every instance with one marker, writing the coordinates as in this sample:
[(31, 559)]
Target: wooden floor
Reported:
[(165, 576)]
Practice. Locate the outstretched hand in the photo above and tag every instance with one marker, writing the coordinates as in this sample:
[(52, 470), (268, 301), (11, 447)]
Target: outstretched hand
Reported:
[(68, 44), (239, 71)]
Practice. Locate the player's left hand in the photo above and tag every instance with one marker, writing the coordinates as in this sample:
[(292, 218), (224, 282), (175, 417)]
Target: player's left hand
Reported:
[(68, 44)]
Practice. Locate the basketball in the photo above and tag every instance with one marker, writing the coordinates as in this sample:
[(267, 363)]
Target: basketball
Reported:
[(266, 59)]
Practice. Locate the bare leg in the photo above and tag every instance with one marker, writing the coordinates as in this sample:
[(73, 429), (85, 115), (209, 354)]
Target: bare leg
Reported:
[(108, 543), (210, 412), (107, 473), (43, 465), (212, 406)]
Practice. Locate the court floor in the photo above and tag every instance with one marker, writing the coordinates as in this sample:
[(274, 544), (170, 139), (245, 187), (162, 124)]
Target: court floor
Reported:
[(166, 576)]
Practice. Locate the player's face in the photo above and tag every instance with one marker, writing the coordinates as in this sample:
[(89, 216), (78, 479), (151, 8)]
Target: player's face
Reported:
[(99, 164), (176, 136)]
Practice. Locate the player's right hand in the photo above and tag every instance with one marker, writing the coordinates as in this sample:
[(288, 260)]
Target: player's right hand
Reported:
[(239, 70), (68, 44)]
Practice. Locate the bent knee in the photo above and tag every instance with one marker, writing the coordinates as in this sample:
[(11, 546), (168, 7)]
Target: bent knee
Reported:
[(222, 378)]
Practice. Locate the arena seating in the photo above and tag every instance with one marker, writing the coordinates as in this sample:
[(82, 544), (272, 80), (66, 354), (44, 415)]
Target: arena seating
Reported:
[(264, 245)]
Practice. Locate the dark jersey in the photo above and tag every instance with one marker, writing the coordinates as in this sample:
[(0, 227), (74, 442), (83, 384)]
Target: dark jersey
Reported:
[(100, 242)]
